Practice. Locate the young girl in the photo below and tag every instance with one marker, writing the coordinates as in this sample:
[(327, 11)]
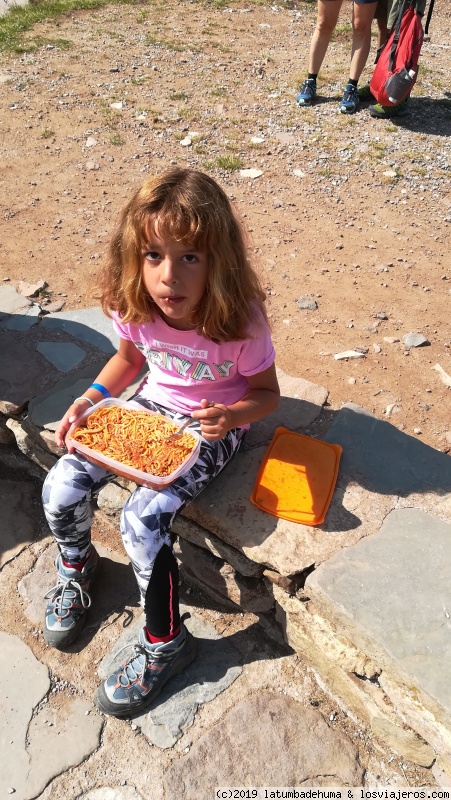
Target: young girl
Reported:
[(183, 296)]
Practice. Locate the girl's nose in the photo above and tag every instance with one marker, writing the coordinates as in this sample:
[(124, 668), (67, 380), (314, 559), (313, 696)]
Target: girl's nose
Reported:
[(168, 271)]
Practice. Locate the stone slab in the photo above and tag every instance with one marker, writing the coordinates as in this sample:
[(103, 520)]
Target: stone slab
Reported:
[(17, 520), (248, 594), (29, 447), (45, 410), (266, 740), (224, 508), (88, 325), (390, 595), (405, 742), (64, 357), (36, 744), (216, 666), (11, 302), (386, 460), (300, 404), (187, 529), (115, 583), (110, 793), (23, 321), (17, 386)]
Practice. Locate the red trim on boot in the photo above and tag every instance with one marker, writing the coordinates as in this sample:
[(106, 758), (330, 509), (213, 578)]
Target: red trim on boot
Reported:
[(78, 565), (155, 639)]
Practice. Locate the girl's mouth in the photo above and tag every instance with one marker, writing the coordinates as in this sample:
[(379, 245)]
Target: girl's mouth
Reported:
[(173, 301)]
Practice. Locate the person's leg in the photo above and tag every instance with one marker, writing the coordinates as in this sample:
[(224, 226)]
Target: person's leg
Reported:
[(328, 12), (165, 646), (66, 497), (363, 15), (381, 17)]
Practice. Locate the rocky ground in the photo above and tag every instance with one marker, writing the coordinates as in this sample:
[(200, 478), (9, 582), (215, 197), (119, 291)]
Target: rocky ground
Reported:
[(350, 212)]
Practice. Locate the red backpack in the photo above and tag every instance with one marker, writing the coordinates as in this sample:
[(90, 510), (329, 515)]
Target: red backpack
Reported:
[(396, 68)]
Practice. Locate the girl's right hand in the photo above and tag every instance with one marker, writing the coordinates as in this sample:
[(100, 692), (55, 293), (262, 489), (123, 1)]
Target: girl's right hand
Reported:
[(70, 416)]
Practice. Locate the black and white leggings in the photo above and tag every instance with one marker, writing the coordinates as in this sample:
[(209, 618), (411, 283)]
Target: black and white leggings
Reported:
[(146, 519)]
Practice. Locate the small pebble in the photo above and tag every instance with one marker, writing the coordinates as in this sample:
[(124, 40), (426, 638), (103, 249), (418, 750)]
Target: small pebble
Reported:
[(251, 173), (414, 340), (307, 303)]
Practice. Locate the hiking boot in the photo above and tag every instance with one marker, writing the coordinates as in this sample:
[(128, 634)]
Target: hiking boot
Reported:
[(365, 94), (69, 600), (350, 101), (388, 112), (134, 686), (308, 93)]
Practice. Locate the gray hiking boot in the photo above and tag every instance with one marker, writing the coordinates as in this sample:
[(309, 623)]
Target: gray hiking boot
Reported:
[(134, 686), (69, 600)]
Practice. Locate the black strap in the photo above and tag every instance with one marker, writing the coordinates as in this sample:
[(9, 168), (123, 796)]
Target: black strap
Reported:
[(428, 18)]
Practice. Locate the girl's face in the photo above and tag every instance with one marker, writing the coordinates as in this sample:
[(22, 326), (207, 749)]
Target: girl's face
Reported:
[(175, 277)]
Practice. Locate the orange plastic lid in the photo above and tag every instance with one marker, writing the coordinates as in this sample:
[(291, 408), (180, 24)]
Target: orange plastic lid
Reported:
[(297, 478)]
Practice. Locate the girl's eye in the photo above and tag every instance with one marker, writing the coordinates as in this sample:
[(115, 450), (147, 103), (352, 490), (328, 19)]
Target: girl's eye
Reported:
[(152, 255), (190, 258)]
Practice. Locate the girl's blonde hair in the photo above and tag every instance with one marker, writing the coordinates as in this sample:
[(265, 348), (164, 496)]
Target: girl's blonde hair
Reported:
[(189, 207)]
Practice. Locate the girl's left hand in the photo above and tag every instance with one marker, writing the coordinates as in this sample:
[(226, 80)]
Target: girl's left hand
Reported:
[(215, 420)]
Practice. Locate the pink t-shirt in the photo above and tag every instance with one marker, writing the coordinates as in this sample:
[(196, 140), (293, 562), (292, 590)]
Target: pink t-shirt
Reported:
[(185, 367)]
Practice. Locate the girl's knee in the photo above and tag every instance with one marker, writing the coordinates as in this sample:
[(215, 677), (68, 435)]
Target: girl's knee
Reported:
[(148, 515), (65, 485)]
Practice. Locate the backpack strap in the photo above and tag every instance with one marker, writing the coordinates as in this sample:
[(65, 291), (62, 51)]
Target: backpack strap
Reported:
[(428, 18)]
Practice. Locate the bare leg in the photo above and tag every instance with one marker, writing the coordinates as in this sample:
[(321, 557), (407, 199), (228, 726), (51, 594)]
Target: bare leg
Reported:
[(382, 32), (328, 11), (362, 18)]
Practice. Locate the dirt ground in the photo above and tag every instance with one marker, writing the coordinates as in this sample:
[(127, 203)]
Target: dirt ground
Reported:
[(350, 211)]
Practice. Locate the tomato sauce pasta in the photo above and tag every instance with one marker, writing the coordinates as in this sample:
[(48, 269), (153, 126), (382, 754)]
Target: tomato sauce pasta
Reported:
[(136, 439)]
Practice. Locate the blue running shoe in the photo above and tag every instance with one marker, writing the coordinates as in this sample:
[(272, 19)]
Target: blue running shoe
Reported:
[(350, 102), (136, 684), (69, 600), (308, 93)]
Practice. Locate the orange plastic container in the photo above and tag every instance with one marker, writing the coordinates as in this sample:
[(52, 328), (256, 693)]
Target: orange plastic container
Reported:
[(297, 478)]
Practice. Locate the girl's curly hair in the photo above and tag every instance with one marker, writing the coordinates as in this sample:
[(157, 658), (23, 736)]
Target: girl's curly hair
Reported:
[(190, 207)]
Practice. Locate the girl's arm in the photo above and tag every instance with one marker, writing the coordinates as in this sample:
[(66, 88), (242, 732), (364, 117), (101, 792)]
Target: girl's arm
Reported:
[(261, 398), (118, 373)]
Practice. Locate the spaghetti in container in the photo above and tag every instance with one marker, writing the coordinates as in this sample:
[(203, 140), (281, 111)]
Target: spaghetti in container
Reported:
[(141, 477)]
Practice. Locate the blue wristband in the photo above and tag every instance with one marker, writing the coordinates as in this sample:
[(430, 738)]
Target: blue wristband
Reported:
[(100, 389)]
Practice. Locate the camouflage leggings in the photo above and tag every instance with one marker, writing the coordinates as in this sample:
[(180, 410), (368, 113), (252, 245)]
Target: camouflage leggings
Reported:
[(147, 515)]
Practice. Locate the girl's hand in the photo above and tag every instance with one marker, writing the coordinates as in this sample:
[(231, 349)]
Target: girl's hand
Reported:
[(215, 420), (70, 416)]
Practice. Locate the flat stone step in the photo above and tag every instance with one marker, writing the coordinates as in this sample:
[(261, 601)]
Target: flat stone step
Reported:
[(389, 594)]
